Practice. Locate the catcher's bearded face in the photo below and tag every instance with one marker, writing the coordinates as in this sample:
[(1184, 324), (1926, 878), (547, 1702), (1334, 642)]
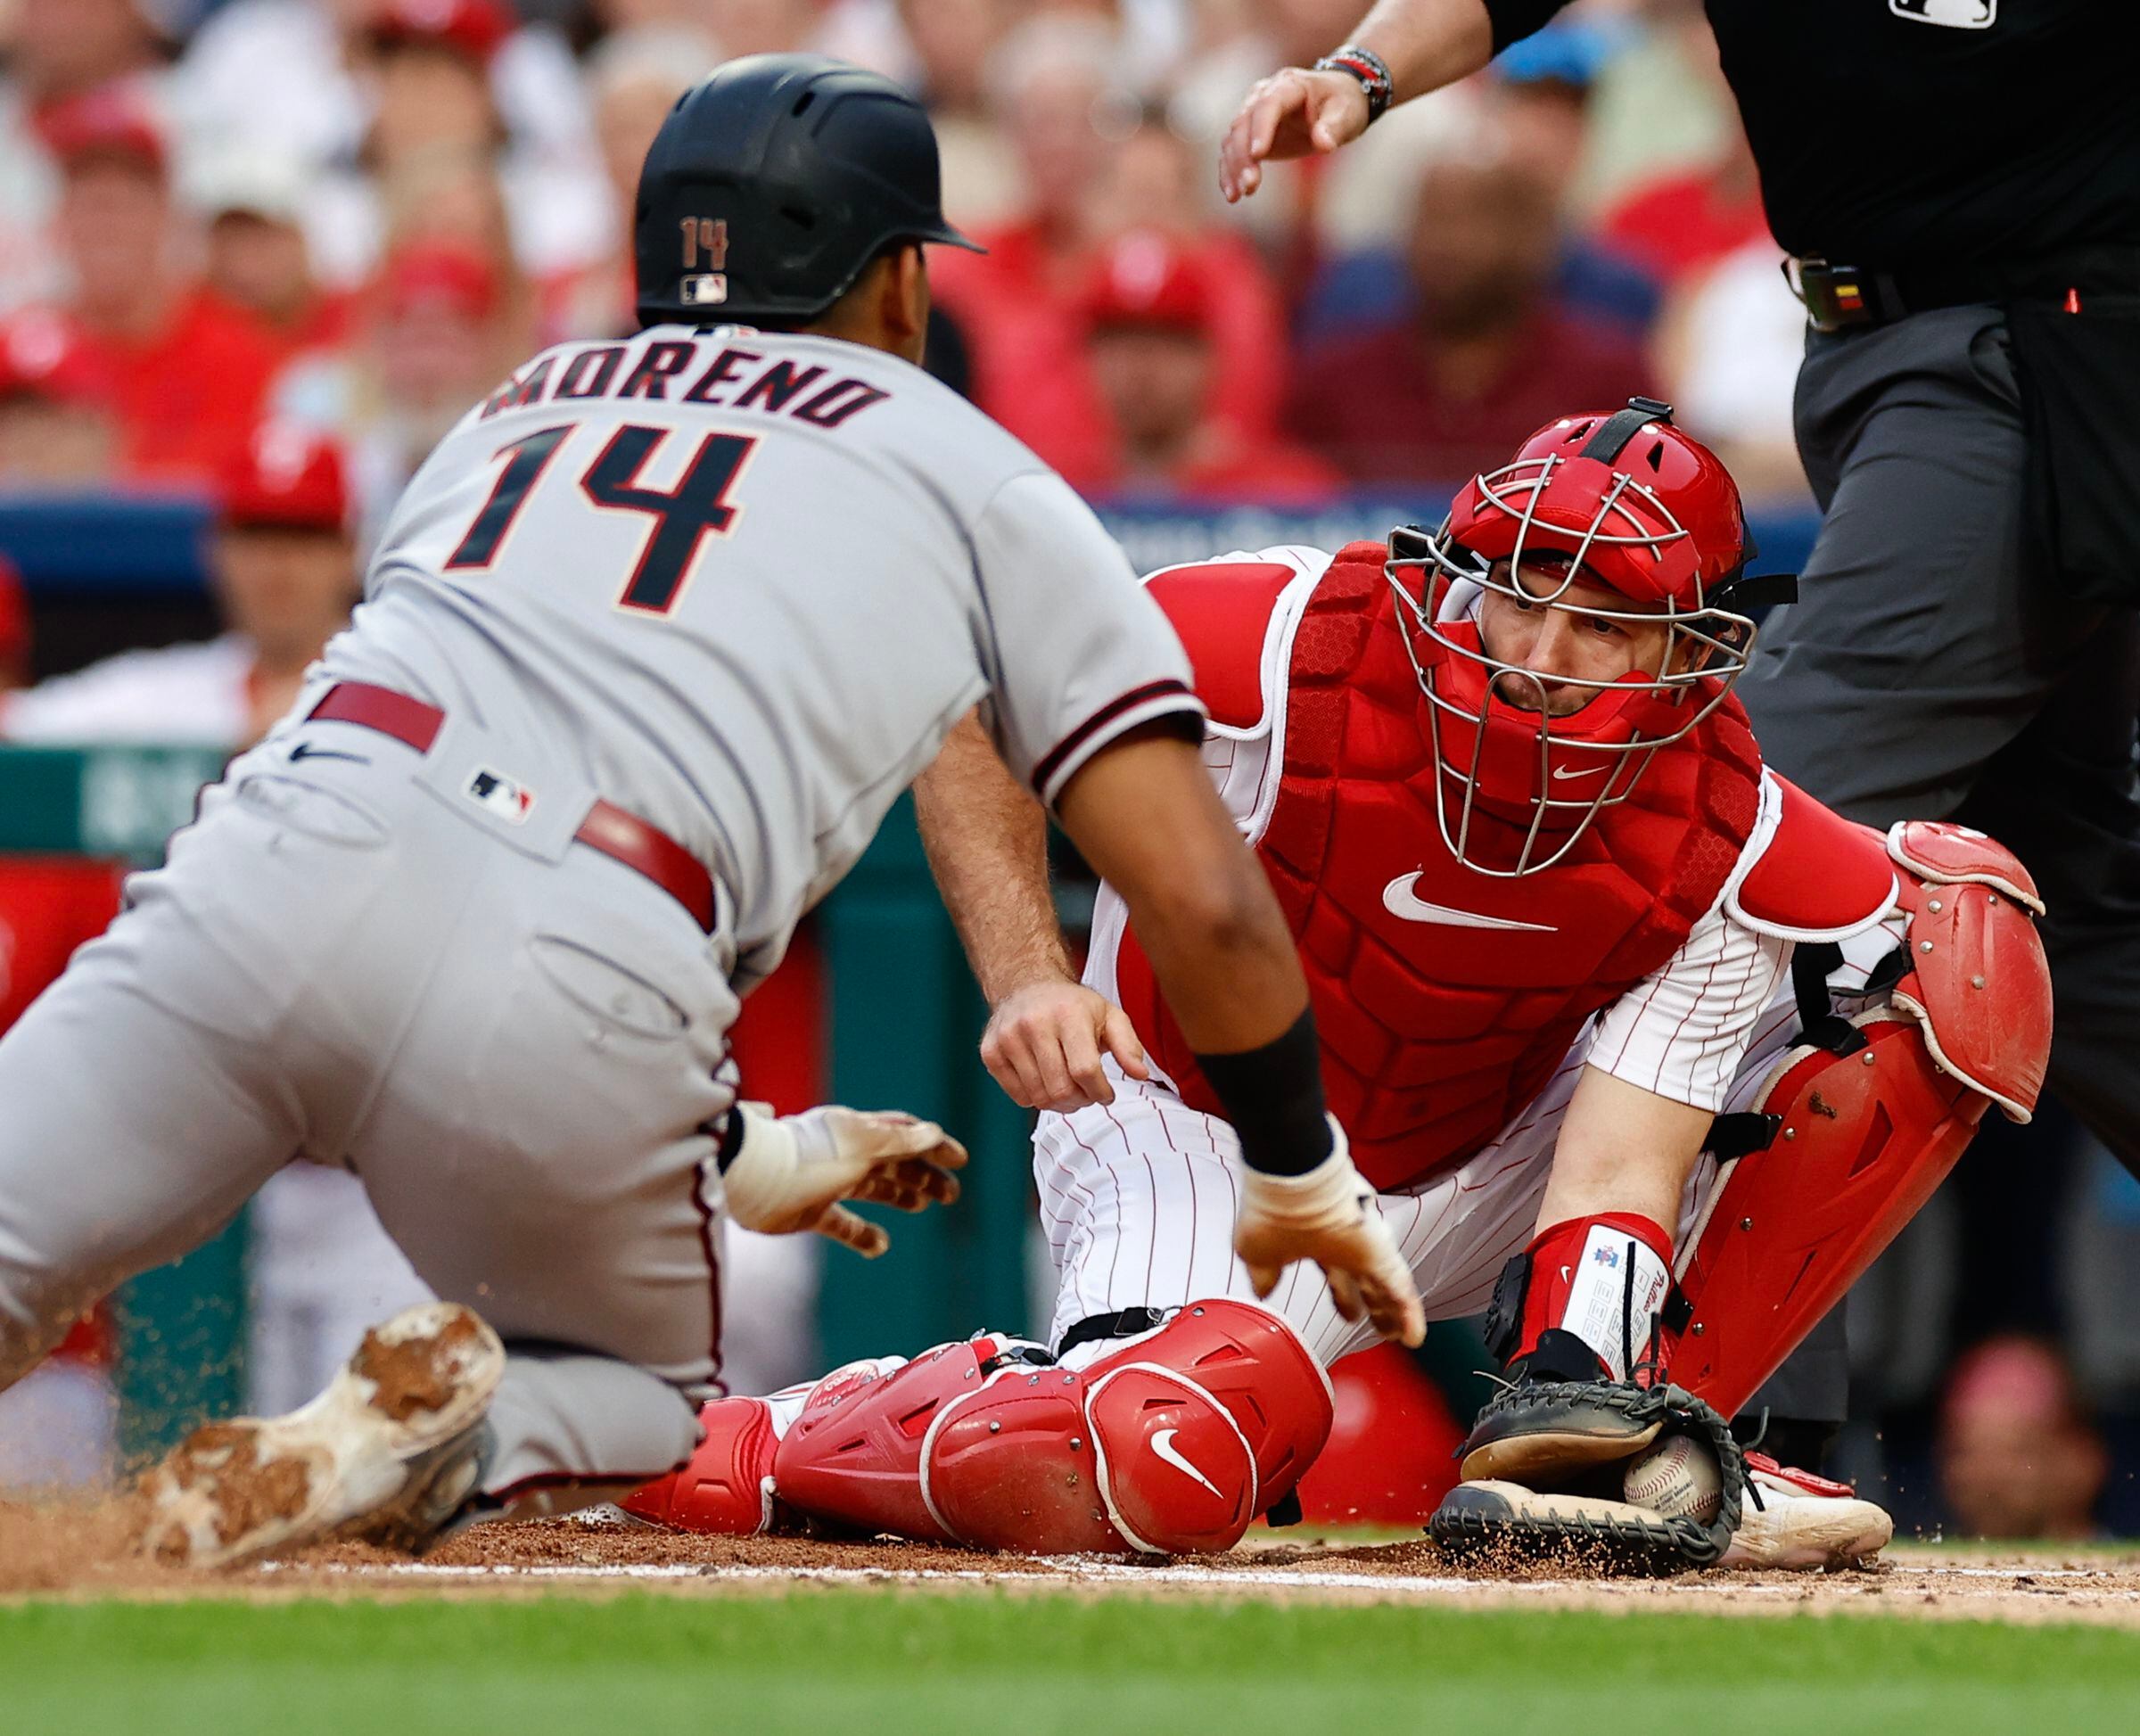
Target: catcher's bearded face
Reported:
[(1567, 633)]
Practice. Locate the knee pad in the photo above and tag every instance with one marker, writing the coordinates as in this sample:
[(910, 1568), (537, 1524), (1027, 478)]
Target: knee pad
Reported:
[(1256, 1369), (1171, 1444)]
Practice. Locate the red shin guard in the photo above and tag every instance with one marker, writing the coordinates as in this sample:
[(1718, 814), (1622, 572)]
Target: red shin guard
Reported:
[(728, 1486), (1866, 1139)]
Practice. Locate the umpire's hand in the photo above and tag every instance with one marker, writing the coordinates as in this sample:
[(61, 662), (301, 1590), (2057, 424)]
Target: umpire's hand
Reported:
[(1294, 113)]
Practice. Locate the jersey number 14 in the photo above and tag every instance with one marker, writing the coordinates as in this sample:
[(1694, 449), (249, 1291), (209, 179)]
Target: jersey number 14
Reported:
[(681, 518)]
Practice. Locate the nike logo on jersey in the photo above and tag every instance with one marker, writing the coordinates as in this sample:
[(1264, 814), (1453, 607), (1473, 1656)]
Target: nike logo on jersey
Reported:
[(306, 751), (1400, 900), (1163, 1445)]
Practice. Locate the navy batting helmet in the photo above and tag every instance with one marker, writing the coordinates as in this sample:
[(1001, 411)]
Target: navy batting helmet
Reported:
[(774, 182)]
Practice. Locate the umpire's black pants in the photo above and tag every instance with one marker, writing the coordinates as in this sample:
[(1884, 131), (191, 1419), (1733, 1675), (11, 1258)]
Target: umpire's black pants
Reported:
[(1933, 668)]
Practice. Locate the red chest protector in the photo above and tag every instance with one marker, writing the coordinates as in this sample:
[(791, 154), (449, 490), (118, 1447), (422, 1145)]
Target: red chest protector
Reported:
[(1444, 998)]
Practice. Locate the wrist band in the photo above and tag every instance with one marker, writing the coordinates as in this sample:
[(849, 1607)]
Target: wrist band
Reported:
[(1372, 72), (730, 1129), (1273, 1098)]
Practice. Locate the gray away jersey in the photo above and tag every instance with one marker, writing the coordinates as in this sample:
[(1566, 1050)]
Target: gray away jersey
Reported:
[(741, 584)]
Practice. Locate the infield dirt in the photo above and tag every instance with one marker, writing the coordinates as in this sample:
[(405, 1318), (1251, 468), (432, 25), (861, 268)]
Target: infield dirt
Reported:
[(87, 1550)]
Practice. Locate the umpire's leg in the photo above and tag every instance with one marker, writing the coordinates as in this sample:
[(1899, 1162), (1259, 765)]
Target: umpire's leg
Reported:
[(2064, 797), (1909, 680), (1934, 669)]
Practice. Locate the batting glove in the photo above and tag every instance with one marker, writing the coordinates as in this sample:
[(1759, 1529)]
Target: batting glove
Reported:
[(1327, 1215), (792, 1171)]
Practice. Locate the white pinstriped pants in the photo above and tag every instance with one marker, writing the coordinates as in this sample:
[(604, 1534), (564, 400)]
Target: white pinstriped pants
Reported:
[(1138, 1198)]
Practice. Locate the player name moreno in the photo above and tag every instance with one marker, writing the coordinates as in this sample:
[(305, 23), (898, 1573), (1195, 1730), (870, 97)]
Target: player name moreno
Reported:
[(719, 374)]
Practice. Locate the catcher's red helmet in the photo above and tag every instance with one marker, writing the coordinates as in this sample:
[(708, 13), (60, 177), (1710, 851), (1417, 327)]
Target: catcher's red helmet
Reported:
[(1626, 500)]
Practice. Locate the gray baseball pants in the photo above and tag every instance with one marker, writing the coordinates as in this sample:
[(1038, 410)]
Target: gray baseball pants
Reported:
[(1934, 669), (512, 1040)]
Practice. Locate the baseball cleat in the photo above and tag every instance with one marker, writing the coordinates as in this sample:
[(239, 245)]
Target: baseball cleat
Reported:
[(1793, 1518), (387, 1454)]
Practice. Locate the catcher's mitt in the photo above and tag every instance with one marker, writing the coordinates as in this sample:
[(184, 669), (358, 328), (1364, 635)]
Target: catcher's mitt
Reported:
[(1545, 1466)]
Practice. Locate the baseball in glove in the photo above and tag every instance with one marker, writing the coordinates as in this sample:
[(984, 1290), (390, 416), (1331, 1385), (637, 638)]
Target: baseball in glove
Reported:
[(1544, 1471)]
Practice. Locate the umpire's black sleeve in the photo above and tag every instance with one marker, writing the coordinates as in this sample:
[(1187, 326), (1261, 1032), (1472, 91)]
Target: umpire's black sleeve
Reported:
[(1514, 20)]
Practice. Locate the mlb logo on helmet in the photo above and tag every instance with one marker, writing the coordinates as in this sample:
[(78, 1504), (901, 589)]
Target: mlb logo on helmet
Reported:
[(1954, 14), (501, 795)]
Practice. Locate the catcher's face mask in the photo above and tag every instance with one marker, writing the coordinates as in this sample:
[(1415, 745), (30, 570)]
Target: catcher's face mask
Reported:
[(1614, 530)]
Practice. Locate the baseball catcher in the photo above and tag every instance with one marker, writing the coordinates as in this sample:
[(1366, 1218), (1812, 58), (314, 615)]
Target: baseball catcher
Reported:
[(1637, 1048)]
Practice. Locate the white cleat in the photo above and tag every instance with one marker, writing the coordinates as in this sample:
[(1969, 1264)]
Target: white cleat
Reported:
[(389, 1453), (1794, 1519)]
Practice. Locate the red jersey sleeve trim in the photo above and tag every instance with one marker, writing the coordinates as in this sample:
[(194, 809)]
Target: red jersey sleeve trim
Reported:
[(1155, 699)]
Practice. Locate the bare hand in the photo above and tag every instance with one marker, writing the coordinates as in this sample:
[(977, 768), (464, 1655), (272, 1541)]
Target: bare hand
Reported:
[(1294, 113), (1327, 1216), (794, 1171), (1043, 1045)]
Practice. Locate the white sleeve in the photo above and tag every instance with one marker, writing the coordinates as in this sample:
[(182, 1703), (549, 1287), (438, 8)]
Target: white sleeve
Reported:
[(1080, 654), (1682, 1032)]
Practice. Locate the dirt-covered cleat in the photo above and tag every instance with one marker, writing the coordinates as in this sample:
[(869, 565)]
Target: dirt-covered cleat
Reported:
[(727, 1488), (1795, 1519), (387, 1454)]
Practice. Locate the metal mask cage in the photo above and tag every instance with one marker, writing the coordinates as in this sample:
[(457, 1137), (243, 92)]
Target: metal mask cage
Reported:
[(1711, 642)]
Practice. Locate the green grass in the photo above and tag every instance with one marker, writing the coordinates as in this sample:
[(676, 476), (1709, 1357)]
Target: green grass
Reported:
[(835, 1662)]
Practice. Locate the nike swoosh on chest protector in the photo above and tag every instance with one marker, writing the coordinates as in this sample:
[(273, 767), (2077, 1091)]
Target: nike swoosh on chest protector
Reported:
[(1400, 900)]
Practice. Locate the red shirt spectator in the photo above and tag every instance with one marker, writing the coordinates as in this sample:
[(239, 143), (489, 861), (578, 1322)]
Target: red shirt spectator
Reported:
[(188, 374), (258, 260), (1018, 307), (1380, 408), (1153, 344), (1676, 226), (188, 390), (14, 639), (57, 427), (1488, 355), (1017, 304)]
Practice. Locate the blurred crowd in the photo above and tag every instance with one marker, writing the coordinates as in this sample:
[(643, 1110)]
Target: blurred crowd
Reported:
[(268, 251), (355, 214)]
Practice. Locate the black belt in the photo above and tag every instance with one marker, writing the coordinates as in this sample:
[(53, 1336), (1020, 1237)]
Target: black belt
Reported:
[(1838, 297)]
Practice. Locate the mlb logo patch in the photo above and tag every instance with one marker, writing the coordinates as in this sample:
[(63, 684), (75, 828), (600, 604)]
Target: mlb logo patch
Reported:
[(1951, 14), (1608, 1257), (504, 797)]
